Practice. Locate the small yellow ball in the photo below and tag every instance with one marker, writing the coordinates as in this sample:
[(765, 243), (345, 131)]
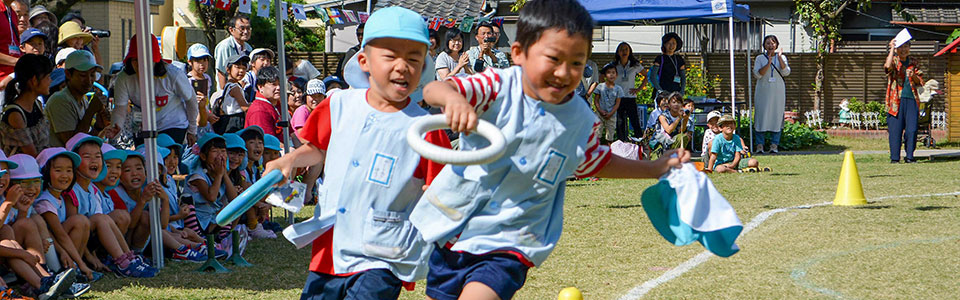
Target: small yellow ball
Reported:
[(570, 293)]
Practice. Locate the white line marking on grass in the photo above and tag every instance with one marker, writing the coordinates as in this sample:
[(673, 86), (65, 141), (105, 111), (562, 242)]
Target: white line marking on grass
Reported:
[(641, 290)]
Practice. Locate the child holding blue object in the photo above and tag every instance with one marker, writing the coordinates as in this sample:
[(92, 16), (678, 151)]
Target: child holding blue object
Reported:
[(373, 179), (492, 222)]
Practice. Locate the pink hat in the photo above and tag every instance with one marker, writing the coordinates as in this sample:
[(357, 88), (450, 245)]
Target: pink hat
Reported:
[(28, 167)]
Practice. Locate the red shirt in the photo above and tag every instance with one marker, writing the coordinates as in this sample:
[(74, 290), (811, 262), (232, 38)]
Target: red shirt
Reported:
[(9, 37), (262, 113), (317, 132)]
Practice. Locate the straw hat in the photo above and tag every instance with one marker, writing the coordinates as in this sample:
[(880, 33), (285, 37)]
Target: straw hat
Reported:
[(71, 30)]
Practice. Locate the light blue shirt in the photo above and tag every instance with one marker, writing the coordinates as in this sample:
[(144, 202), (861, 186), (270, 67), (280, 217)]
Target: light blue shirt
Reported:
[(174, 197), (502, 61), (725, 149), (57, 203), (89, 201), (206, 211), (516, 202), (371, 189), (608, 96)]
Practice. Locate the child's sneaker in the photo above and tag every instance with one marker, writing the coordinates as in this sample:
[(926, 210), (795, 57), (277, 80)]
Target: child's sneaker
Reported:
[(187, 254), (773, 149), (134, 268), (52, 287), (9, 294), (76, 290), (260, 233), (225, 245)]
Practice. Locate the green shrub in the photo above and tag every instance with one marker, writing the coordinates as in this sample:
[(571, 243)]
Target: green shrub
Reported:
[(858, 106), (795, 136)]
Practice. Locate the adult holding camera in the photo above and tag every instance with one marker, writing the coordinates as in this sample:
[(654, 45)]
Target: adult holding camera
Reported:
[(669, 73), (903, 78), (68, 110), (628, 66), (74, 33), (770, 68), (485, 54)]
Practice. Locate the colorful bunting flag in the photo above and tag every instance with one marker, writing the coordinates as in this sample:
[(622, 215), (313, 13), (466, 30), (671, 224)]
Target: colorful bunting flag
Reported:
[(450, 22), (243, 6), (298, 12), (335, 17), (351, 16), (435, 23), (284, 12), (467, 24), (498, 21), (263, 8), (223, 4), (363, 16), (482, 20), (323, 13), (206, 2)]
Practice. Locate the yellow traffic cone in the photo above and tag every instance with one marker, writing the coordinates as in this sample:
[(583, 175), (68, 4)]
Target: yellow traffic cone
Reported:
[(570, 293), (849, 189)]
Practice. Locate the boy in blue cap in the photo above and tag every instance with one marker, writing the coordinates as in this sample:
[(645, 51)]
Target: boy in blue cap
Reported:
[(372, 178), (492, 222)]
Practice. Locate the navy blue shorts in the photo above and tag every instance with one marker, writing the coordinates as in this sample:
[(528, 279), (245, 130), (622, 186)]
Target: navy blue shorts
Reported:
[(369, 284), (450, 271)]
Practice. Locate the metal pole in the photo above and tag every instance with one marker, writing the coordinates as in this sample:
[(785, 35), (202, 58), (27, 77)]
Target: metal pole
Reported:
[(733, 90), (281, 62), (750, 43), (368, 6), (149, 125)]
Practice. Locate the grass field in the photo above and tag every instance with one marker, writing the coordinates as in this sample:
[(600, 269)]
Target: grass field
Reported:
[(892, 248)]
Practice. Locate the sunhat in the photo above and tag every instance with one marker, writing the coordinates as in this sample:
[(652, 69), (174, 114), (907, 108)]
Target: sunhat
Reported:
[(69, 30), (28, 167), (48, 154), (78, 139)]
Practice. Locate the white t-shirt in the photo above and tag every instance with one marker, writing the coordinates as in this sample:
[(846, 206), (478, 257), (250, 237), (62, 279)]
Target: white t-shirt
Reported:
[(445, 61), (175, 99), (306, 70), (229, 105)]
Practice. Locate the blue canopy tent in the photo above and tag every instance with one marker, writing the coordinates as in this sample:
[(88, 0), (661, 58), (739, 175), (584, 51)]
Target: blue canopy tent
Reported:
[(674, 12)]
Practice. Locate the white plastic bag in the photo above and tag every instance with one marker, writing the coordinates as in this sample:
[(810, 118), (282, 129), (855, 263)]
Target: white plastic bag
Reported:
[(289, 197)]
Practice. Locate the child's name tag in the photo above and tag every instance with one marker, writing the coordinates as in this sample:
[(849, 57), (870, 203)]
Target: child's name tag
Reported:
[(676, 79), (381, 169), (772, 78), (549, 172)]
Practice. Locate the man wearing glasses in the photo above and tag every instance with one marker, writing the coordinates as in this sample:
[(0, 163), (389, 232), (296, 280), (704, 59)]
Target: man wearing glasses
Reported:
[(235, 44), (487, 43), (350, 52)]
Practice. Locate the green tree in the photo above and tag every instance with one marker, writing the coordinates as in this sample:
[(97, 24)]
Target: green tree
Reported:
[(824, 17), (263, 30)]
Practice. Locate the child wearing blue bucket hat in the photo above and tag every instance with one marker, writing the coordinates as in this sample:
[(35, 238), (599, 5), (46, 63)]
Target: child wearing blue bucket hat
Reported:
[(210, 186), (495, 221), (368, 168)]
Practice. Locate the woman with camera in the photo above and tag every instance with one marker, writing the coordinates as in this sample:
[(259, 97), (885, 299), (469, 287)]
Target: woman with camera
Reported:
[(770, 68)]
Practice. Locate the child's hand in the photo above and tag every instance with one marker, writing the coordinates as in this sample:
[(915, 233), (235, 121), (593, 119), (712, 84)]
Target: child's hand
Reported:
[(6, 206), (284, 164), (673, 159), (24, 203), (14, 192), (460, 115)]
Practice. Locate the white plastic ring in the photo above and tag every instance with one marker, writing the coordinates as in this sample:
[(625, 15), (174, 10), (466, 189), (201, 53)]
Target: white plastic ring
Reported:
[(452, 157)]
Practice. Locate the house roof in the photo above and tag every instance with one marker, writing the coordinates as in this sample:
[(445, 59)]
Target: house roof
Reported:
[(931, 16), (952, 48), (437, 8)]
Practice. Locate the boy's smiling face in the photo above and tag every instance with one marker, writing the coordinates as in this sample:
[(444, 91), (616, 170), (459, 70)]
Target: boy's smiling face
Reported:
[(394, 66), (553, 65), (90, 160)]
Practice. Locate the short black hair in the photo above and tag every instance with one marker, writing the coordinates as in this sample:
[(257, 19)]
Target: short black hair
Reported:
[(288, 62), (669, 36), (486, 24), (675, 96), (539, 15), (688, 101), (261, 54), (607, 67), (45, 173), (268, 75), (233, 20), (74, 15), (451, 33)]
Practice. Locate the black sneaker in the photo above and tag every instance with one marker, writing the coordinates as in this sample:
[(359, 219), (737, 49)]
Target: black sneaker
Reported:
[(894, 162), (910, 160), (76, 290), (52, 287)]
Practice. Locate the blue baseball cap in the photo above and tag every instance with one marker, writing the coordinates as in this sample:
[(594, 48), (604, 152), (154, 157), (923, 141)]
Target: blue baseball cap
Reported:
[(109, 152), (116, 68), (31, 33), (207, 137), (198, 50), (391, 22), (165, 141), (251, 129), (57, 77), (234, 141), (396, 22), (271, 142)]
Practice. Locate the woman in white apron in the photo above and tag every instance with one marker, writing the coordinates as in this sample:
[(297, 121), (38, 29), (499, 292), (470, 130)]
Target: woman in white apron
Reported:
[(770, 97)]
